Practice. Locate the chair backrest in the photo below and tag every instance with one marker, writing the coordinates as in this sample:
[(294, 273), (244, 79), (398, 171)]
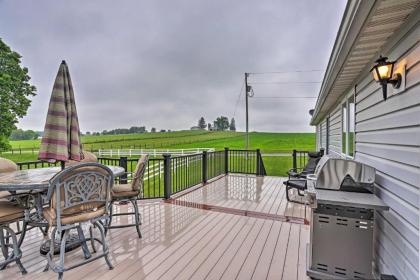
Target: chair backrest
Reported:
[(137, 182), (313, 159), (80, 188), (6, 165), (87, 157)]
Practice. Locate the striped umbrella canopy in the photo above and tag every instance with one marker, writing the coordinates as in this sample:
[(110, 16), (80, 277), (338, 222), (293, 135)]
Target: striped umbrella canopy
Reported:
[(61, 139)]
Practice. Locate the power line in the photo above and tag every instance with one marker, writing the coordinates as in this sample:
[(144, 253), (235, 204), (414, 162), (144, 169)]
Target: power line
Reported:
[(285, 83), (286, 72), (238, 99), (284, 97)]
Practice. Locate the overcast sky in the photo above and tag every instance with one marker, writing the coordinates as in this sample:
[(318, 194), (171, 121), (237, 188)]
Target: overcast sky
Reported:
[(164, 64)]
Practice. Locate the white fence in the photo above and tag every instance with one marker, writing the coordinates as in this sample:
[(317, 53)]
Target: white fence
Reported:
[(152, 152)]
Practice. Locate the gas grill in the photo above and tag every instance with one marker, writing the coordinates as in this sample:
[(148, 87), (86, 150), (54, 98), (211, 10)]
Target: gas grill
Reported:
[(343, 203)]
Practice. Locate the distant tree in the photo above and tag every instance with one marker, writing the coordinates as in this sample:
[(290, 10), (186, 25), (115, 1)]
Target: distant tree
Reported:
[(87, 132), (232, 126), (104, 132), (162, 130), (15, 90), (153, 129), (221, 123), (209, 126), (20, 134), (202, 123)]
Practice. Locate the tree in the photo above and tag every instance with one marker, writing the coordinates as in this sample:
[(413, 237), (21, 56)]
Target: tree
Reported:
[(15, 90), (221, 123), (202, 123), (209, 126), (232, 126), (153, 129)]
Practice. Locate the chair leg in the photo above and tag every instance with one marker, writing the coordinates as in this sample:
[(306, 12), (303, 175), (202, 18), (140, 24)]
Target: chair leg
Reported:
[(83, 241), (108, 225), (104, 245), (62, 253), (136, 216), (22, 234), (92, 240), (287, 192), (51, 253), (4, 248), (17, 253)]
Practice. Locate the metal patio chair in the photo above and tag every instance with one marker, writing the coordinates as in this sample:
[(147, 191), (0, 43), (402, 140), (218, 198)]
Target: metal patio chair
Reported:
[(6, 165), (11, 213), (129, 192), (78, 194), (297, 176)]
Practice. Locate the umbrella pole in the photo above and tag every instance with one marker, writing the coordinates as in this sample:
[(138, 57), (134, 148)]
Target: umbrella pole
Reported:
[(63, 164)]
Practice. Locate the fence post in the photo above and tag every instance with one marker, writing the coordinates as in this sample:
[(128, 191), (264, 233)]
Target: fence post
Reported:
[(167, 176), (226, 160), (204, 166), (258, 171), (294, 164), (123, 164)]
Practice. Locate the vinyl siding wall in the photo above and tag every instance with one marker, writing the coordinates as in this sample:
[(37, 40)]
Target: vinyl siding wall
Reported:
[(388, 138), (334, 137)]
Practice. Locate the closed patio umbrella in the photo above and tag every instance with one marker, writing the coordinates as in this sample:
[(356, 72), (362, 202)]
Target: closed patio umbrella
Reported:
[(61, 139)]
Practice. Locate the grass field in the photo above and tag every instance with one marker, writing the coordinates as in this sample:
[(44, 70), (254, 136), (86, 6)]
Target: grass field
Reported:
[(267, 142)]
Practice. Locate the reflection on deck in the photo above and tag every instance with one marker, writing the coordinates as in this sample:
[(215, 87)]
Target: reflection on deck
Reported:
[(193, 243)]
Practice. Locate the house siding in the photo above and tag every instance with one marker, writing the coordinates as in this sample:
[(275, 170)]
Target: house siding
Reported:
[(388, 138), (334, 137), (323, 134)]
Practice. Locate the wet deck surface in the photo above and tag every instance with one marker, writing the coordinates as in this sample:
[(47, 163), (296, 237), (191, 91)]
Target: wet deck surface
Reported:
[(183, 240)]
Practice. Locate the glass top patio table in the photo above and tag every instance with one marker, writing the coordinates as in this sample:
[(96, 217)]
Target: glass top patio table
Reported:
[(36, 179)]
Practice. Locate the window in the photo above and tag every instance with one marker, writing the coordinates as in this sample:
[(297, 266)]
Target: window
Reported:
[(348, 126), (351, 125)]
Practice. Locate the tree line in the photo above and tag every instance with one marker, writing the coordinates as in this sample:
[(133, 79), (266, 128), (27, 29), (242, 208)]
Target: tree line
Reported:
[(220, 124), (131, 130)]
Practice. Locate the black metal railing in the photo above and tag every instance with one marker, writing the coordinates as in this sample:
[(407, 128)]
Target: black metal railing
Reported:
[(214, 165), (165, 176), (300, 158), (153, 183), (245, 162), (186, 171), (35, 164)]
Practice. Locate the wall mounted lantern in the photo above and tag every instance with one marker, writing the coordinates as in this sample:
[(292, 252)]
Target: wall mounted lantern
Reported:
[(383, 72)]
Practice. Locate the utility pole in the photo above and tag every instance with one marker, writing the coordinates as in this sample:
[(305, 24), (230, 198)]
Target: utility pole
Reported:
[(246, 111)]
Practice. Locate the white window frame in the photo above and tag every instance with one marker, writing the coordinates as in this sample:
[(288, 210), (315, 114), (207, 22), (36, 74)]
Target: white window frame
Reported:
[(346, 104)]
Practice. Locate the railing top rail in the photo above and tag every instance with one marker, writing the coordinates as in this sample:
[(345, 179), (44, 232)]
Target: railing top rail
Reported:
[(239, 150)]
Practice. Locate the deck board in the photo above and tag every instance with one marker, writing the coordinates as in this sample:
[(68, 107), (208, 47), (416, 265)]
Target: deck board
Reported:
[(182, 242), (258, 194)]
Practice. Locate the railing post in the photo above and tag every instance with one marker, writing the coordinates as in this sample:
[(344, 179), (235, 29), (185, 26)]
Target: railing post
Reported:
[(167, 176), (123, 164), (258, 171), (294, 164), (204, 166), (226, 160)]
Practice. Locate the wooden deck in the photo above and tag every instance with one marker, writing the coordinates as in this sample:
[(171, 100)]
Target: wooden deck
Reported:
[(183, 240)]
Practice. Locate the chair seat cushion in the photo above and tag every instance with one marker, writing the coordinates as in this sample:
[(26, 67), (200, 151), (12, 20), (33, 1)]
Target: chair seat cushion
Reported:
[(297, 184), (4, 194), (123, 190), (10, 211), (50, 215)]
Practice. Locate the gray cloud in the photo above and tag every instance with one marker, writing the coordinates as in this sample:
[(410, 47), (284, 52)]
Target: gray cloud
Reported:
[(166, 63)]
